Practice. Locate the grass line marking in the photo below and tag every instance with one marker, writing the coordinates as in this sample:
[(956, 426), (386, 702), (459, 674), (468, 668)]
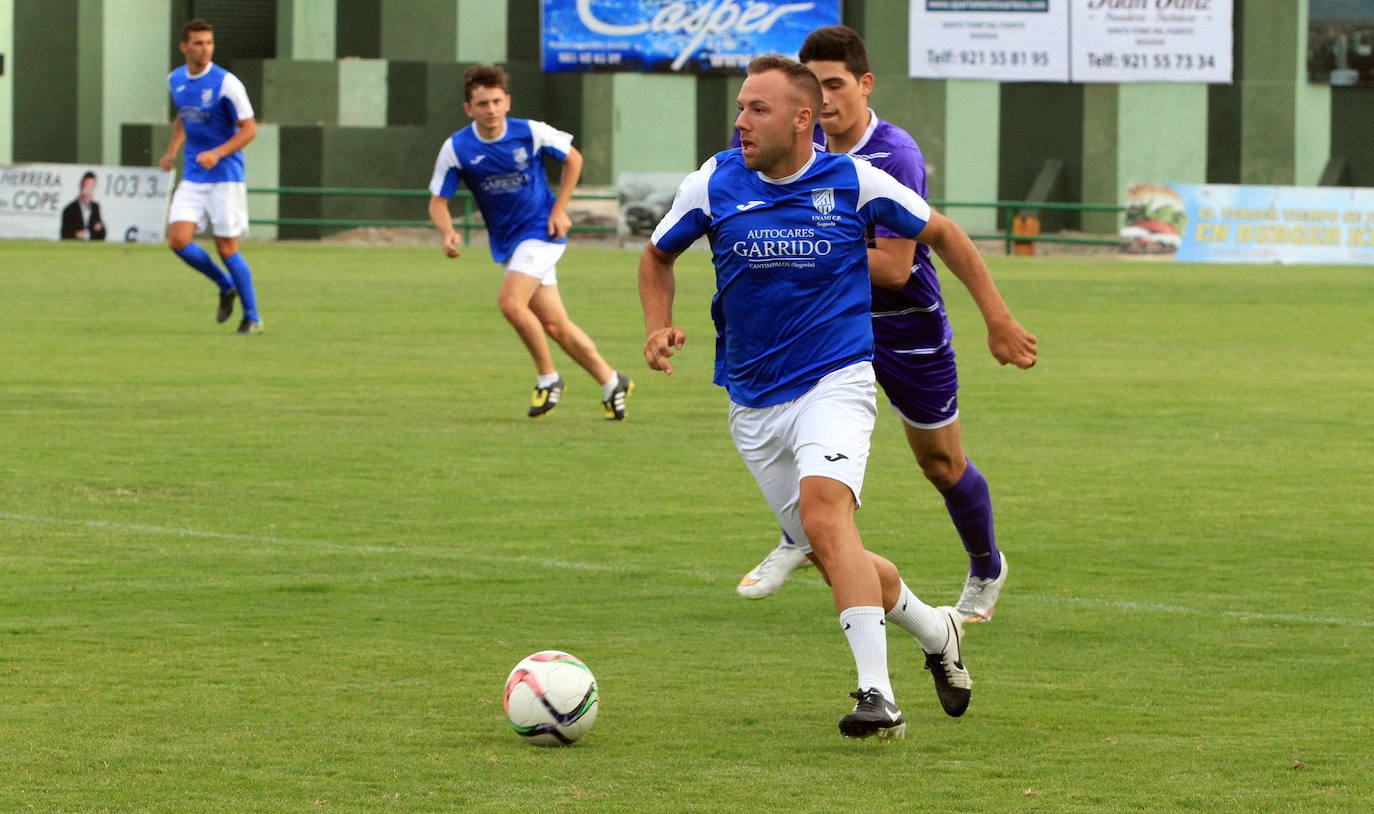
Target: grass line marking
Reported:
[(1115, 604)]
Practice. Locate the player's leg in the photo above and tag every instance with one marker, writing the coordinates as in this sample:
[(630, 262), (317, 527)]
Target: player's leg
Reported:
[(229, 216), (514, 301), (185, 217), (924, 392), (940, 454), (616, 387)]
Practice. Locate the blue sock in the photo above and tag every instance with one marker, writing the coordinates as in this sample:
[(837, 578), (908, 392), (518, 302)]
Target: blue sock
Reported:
[(199, 259), (970, 507), (243, 281)]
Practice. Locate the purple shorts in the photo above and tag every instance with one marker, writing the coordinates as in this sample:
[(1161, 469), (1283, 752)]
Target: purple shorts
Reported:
[(922, 388)]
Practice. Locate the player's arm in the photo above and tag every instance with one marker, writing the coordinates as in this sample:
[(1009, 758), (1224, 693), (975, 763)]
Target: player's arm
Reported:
[(178, 138), (657, 287), (248, 130), (889, 261), (559, 222), (449, 238), (1009, 342)]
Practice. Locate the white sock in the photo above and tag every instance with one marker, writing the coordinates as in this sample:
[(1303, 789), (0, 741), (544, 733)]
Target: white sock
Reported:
[(863, 626), (608, 386), (546, 379), (920, 620)]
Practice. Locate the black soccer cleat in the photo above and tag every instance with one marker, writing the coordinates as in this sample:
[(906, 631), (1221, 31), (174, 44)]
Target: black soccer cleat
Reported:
[(952, 682), (545, 399), (614, 406), (248, 326), (873, 714), (226, 305)]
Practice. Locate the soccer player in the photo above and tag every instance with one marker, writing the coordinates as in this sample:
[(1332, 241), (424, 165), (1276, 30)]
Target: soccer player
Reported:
[(913, 357), (788, 235), (500, 158), (215, 122)]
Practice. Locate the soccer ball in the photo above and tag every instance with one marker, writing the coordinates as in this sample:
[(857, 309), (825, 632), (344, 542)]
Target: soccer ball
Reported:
[(551, 698)]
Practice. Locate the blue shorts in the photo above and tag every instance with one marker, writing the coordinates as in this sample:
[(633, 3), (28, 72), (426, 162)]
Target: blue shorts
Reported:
[(921, 388)]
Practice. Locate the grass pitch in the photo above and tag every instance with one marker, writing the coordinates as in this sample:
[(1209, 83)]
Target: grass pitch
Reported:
[(290, 572)]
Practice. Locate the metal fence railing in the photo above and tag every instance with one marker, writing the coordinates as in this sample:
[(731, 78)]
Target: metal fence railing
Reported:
[(1007, 212)]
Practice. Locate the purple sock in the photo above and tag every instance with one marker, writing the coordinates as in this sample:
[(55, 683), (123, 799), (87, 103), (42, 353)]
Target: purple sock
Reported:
[(970, 507)]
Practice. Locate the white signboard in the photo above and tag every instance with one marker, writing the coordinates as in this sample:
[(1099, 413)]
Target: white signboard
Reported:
[(1154, 41), (1006, 40), (84, 202), (1071, 40)]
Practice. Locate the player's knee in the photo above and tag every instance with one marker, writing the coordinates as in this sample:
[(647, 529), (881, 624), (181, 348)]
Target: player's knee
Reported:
[(939, 469), (512, 308), (177, 242)]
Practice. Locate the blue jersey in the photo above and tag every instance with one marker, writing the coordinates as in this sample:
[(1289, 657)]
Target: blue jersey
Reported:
[(210, 106), (791, 255), (506, 177)]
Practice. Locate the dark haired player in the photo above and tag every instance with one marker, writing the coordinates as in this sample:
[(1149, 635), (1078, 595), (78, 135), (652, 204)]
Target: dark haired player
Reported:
[(913, 356), (500, 159), (215, 122)]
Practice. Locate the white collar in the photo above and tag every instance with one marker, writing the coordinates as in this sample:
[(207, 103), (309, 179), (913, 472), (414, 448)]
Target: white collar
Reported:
[(505, 125), (863, 140), (794, 176), (208, 66)]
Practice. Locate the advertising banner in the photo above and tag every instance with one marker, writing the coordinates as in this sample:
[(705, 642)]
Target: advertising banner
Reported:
[(1154, 41), (1071, 40), (84, 202), (689, 36), (1006, 40), (1224, 223)]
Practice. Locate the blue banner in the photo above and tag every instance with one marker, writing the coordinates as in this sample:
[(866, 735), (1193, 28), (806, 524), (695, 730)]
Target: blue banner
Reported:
[(687, 36), (1224, 223)]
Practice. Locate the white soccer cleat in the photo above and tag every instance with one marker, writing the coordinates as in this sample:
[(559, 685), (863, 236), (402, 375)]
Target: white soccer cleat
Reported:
[(953, 685), (980, 596), (769, 575)]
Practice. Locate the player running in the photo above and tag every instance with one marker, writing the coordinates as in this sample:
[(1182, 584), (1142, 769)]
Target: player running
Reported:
[(215, 122), (913, 355), (788, 234), (500, 159)]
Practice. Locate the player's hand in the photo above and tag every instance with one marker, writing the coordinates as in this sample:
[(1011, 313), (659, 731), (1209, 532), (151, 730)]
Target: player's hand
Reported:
[(1012, 344), (559, 224), (661, 345), (165, 163), (208, 159), (452, 244)]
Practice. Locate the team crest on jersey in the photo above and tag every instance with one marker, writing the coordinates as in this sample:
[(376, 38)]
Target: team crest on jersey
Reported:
[(522, 157), (205, 96), (823, 199)]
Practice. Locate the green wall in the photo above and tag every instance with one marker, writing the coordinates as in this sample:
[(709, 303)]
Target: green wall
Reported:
[(7, 81), (45, 80)]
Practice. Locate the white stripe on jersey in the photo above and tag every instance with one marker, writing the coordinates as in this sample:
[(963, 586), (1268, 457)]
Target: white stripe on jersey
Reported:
[(446, 160), (874, 183), (692, 194), (545, 135), (233, 90), (926, 310)]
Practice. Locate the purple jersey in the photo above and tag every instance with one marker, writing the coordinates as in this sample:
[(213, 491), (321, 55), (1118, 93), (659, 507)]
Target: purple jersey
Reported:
[(910, 321)]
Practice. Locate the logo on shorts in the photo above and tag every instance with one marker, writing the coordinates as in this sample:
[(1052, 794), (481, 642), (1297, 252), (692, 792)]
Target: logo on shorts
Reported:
[(838, 456), (823, 200)]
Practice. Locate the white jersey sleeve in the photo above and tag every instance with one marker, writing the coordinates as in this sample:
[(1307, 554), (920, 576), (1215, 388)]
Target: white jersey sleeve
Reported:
[(233, 90), (556, 140), (444, 182), (690, 214), (890, 202)]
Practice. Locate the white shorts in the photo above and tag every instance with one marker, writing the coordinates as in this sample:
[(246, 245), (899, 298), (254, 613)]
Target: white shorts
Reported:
[(537, 258), (824, 432), (223, 204)]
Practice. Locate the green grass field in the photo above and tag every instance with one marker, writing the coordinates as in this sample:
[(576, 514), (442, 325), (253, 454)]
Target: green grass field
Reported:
[(290, 572)]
